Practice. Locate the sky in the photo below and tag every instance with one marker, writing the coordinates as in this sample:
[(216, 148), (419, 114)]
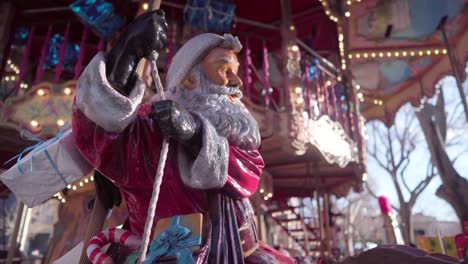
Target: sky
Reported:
[(427, 203)]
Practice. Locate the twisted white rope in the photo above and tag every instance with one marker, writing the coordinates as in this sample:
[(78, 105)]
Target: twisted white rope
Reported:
[(159, 172)]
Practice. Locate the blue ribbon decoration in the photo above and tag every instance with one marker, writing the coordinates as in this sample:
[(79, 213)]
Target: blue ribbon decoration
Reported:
[(38, 147), (175, 241)]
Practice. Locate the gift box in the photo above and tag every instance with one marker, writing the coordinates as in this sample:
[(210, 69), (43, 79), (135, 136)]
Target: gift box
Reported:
[(47, 169), (177, 237)]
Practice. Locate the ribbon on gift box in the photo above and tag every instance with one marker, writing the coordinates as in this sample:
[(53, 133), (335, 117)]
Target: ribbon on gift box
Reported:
[(38, 147), (173, 242)]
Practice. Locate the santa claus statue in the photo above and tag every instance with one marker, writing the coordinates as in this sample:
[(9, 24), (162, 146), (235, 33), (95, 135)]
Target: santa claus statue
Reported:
[(213, 165)]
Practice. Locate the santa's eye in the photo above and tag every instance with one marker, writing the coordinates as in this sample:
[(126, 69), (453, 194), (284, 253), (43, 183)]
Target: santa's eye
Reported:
[(223, 70)]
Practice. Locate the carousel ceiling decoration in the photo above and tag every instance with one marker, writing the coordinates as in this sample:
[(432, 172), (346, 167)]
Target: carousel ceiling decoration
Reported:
[(397, 52), (210, 15), (332, 141), (43, 110), (72, 51), (99, 15)]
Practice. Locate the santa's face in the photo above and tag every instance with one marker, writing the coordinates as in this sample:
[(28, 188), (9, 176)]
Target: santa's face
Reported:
[(222, 66)]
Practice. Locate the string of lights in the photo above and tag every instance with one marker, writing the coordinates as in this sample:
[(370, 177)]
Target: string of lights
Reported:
[(74, 187)]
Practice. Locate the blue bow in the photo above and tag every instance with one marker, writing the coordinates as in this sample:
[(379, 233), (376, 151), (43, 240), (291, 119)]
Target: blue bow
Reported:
[(174, 242), (38, 147)]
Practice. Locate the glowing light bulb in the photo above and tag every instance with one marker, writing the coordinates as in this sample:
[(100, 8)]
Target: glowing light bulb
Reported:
[(365, 55), (74, 187), (340, 37), (347, 14), (436, 52), (350, 56), (329, 83), (295, 48), (298, 90), (360, 95), (358, 86), (420, 53), (300, 100), (389, 54), (444, 51), (60, 122), (412, 53), (380, 54), (40, 92), (145, 6), (404, 53), (67, 91), (364, 176), (358, 55), (397, 54), (373, 54), (34, 123)]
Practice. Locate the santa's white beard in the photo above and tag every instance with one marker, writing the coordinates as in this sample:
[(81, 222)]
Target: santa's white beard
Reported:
[(230, 119)]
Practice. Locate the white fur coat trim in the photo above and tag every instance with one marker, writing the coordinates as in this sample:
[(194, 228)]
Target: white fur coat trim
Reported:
[(101, 103), (209, 170)]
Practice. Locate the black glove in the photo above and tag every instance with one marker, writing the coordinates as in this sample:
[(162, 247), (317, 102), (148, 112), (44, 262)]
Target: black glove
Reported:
[(177, 123), (145, 34)]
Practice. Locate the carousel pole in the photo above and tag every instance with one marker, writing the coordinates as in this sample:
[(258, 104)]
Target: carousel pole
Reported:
[(14, 233), (61, 59), (288, 39), (98, 217), (453, 63), (392, 232), (321, 222), (326, 219)]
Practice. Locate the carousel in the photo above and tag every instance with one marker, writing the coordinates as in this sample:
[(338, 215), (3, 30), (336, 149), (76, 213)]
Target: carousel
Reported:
[(313, 72)]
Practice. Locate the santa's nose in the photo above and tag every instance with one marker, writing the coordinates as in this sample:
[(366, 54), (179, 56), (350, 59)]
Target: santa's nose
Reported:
[(234, 81)]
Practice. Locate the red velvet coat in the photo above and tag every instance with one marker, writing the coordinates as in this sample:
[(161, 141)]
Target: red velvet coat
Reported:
[(130, 160)]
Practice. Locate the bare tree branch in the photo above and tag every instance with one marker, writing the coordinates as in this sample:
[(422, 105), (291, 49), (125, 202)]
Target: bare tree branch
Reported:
[(423, 184), (403, 175)]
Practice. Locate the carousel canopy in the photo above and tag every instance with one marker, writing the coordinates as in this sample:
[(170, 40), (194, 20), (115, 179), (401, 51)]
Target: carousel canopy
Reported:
[(397, 50)]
